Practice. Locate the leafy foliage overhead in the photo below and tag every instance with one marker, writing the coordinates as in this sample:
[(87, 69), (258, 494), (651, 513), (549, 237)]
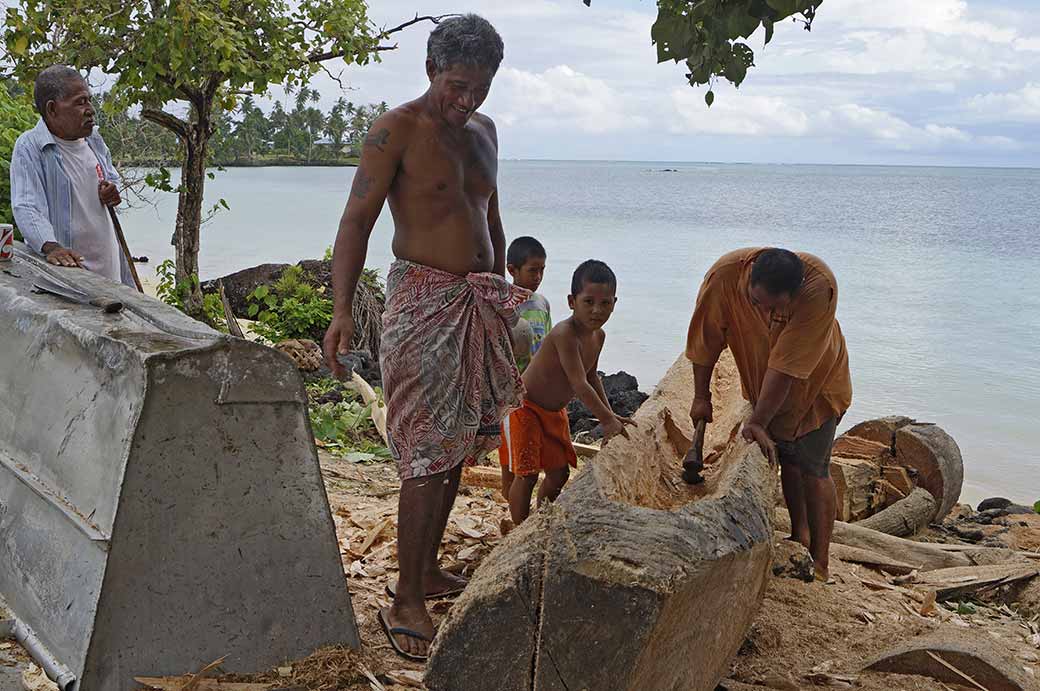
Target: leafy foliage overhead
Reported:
[(16, 116), (710, 35), (168, 50)]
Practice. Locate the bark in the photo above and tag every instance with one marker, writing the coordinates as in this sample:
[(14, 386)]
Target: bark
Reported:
[(632, 579), (957, 657), (906, 517)]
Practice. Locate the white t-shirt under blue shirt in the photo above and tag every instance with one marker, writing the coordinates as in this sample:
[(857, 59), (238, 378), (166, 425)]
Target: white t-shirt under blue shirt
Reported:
[(93, 235)]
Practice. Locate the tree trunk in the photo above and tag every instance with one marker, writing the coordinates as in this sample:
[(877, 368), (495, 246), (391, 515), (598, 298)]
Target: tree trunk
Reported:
[(189, 211), (906, 517)]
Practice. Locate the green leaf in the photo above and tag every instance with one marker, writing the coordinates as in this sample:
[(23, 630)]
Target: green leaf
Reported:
[(253, 309), (1036, 507), (709, 97), (359, 457), (261, 291)]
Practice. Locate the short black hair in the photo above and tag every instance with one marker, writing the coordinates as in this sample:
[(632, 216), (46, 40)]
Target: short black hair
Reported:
[(466, 39), (778, 271), (592, 271), (522, 249), (52, 85)]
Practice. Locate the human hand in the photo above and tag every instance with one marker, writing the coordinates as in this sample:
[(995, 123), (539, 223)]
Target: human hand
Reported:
[(108, 193), (337, 342), (758, 434), (613, 427), (625, 420), (61, 256), (700, 409)]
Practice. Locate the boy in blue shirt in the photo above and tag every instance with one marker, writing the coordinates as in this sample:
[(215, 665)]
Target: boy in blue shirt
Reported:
[(525, 261)]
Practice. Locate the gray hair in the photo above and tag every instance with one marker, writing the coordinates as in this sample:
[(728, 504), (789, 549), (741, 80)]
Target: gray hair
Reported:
[(465, 40), (52, 85)]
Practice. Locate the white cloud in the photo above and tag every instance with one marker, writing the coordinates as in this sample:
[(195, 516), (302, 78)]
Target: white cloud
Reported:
[(736, 114), (1021, 106), (560, 98)]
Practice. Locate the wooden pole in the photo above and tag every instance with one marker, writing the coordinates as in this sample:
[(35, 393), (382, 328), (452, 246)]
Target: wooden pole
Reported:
[(126, 250)]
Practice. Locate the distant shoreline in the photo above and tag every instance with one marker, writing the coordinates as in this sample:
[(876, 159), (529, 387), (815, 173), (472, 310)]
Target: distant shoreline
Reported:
[(270, 163)]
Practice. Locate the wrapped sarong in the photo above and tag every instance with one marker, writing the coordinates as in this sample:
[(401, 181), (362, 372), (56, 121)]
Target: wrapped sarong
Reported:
[(448, 371)]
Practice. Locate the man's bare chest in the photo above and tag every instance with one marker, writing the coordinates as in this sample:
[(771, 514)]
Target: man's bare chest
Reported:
[(466, 164)]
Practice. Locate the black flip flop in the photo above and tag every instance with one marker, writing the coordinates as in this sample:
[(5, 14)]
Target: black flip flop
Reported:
[(391, 589), (391, 631)]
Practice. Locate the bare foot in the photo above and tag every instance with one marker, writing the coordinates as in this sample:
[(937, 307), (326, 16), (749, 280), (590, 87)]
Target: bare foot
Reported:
[(441, 581), (822, 573), (416, 620)]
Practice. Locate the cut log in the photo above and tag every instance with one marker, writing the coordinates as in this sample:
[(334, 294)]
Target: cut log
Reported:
[(971, 580), (858, 447), (874, 560), (855, 481), (937, 459), (899, 478), (955, 657), (906, 517), (658, 580), (921, 555), (482, 476), (881, 430)]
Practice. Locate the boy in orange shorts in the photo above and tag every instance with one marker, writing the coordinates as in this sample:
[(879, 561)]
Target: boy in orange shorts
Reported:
[(537, 437)]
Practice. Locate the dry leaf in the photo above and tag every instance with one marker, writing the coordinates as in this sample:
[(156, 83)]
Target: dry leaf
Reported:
[(285, 671)]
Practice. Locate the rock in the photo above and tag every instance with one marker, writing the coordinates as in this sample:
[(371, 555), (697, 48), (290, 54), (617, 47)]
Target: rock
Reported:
[(792, 560), (1019, 509), (994, 503), (364, 364), (624, 396), (239, 284), (631, 579)]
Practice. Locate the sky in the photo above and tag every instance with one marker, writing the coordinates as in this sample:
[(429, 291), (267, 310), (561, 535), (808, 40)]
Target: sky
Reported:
[(920, 82)]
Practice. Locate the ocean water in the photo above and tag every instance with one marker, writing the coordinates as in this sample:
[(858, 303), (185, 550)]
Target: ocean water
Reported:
[(938, 270)]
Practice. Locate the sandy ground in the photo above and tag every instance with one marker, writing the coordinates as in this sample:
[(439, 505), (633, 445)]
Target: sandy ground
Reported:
[(806, 636)]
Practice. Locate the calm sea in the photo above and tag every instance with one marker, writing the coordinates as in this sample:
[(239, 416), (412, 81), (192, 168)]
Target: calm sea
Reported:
[(939, 270)]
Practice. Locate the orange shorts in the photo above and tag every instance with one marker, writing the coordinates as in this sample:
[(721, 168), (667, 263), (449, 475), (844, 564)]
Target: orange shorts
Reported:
[(536, 439)]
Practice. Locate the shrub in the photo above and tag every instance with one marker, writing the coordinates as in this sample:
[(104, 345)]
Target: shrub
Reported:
[(16, 116), (175, 294), (289, 308)]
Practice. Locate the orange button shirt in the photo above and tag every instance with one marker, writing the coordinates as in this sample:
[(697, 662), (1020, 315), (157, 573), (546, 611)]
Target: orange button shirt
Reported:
[(803, 340)]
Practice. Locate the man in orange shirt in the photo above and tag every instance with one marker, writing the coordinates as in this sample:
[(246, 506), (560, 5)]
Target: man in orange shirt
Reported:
[(775, 310)]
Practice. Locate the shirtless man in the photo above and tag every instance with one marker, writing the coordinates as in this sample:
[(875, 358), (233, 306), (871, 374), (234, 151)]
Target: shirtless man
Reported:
[(448, 371)]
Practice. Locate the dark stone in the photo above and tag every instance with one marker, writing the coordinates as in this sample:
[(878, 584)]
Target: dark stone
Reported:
[(1015, 509), (994, 503), (624, 396), (239, 284), (364, 364)]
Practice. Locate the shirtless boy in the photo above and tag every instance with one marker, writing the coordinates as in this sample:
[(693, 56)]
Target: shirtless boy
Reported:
[(537, 437), (448, 370)]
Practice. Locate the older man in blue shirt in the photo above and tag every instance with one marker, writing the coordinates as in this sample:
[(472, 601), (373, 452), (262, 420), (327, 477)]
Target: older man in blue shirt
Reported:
[(63, 180)]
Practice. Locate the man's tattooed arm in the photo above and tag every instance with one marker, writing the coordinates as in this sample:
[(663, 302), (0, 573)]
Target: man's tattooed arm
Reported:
[(362, 184), (378, 139)]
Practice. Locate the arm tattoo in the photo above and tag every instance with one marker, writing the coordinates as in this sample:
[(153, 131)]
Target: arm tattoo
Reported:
[(378, 139), (362, 183)]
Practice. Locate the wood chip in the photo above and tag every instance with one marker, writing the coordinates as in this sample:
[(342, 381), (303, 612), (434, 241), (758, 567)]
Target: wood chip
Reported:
[(406, 677), (373, 535)]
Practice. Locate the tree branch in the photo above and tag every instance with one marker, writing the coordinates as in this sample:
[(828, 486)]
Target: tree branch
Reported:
[(436, 19), (329, 55), (166, 120)]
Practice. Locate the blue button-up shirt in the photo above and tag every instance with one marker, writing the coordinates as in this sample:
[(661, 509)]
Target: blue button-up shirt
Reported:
[(41, 192)]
